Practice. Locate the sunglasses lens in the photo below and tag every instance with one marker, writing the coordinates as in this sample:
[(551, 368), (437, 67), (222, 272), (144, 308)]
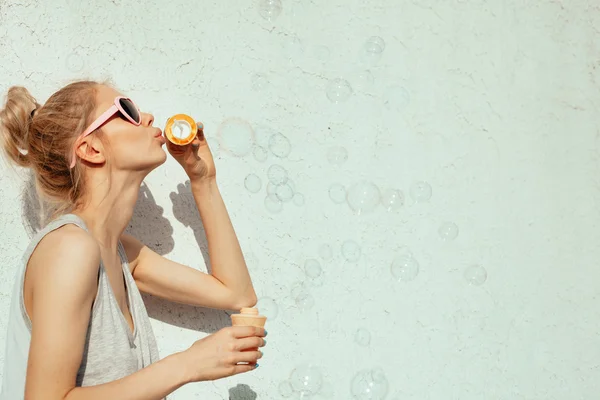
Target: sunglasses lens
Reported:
[(130, 109)]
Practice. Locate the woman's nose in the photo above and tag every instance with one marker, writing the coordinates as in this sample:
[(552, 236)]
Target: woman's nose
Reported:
[(147, 119)]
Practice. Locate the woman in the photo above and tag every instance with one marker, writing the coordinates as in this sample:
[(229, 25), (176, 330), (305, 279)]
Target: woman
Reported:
[(78, 328)]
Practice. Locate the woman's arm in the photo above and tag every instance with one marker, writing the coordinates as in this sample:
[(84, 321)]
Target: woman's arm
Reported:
[(227, 287), (62, 273), (226, 257), (161, 277), (151, 383)]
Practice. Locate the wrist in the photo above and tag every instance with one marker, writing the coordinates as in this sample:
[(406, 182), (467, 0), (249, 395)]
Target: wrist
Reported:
[(203, 183), (203, 190), (180, 366)]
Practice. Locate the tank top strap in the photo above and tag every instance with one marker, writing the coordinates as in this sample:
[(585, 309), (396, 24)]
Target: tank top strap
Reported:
[(124, 260), (71, 219), (51, 226)]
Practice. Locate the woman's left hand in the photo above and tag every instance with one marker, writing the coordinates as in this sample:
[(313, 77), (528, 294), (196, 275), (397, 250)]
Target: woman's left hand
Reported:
[(195, 158)]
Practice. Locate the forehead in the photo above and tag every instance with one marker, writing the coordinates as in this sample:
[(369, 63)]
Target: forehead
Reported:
[(105, 96)]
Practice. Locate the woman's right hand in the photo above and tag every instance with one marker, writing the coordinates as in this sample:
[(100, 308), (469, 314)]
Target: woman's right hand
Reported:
[(218, 355)]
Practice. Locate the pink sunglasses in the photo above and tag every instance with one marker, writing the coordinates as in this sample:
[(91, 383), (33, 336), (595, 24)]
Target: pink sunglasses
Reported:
[(125, 106)]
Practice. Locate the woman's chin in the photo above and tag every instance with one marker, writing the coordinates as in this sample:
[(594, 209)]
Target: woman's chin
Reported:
[(159, 160), (163, 157)]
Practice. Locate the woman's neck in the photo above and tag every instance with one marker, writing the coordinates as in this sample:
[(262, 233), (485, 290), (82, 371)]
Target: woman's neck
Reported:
[(108, 207)]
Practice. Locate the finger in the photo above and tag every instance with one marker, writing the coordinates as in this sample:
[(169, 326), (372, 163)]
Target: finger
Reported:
[(249, 343), (200, 132), (241, 368), (247, 331), (175, 148), (248, 357), (181, 151), (197, 141), (170, 145)]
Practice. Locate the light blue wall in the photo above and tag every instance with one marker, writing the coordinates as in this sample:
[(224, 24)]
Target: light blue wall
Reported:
[(494, 104)]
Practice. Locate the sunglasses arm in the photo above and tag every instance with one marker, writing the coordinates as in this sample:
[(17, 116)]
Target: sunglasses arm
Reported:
[(95, 125), (99, 121)]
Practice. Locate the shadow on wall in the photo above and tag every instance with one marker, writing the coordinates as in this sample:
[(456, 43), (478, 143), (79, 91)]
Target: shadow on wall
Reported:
[(31, 206), (149, 225), (242, 392), (186, 212)]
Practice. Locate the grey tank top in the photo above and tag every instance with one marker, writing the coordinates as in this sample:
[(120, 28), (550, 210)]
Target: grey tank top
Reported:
[(112, 351)]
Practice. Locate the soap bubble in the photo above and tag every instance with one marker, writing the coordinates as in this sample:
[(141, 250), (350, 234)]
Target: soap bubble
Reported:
[(298, 199), (372, 50), (363, 197), (364, 80), (337, 193), (448, 231), (286, 389), (325, 252), (280, 145), (420, 191), (277, 174), (236, 137), (392, 199), (75, 62), (338, 90), (270, 9), (284, 192), (312, 268), (396, 98), (351, 251), (375, 44), (306, 379), (362, 337), (291, 184), (318, 282), (259, 81), (253, 183), (268, 307), (405, 268), (260, 154), (298, 288), (337, 155), (475, 274), (305, 301), (273, 204), (369, 384)]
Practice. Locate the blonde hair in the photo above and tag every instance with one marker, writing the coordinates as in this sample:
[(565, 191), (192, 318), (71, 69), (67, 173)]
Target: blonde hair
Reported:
[(42, 138)]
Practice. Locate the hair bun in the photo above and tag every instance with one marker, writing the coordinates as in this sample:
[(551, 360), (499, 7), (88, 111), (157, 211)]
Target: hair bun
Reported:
[(15, 123)]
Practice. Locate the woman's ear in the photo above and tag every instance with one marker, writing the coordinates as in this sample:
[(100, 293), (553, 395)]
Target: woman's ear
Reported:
[(91, 151)]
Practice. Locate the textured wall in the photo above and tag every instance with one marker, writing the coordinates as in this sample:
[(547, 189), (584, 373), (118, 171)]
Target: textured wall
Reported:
[(492, 103)]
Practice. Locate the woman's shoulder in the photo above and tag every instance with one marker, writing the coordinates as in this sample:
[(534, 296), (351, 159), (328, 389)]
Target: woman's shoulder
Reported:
[(68, 247)]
